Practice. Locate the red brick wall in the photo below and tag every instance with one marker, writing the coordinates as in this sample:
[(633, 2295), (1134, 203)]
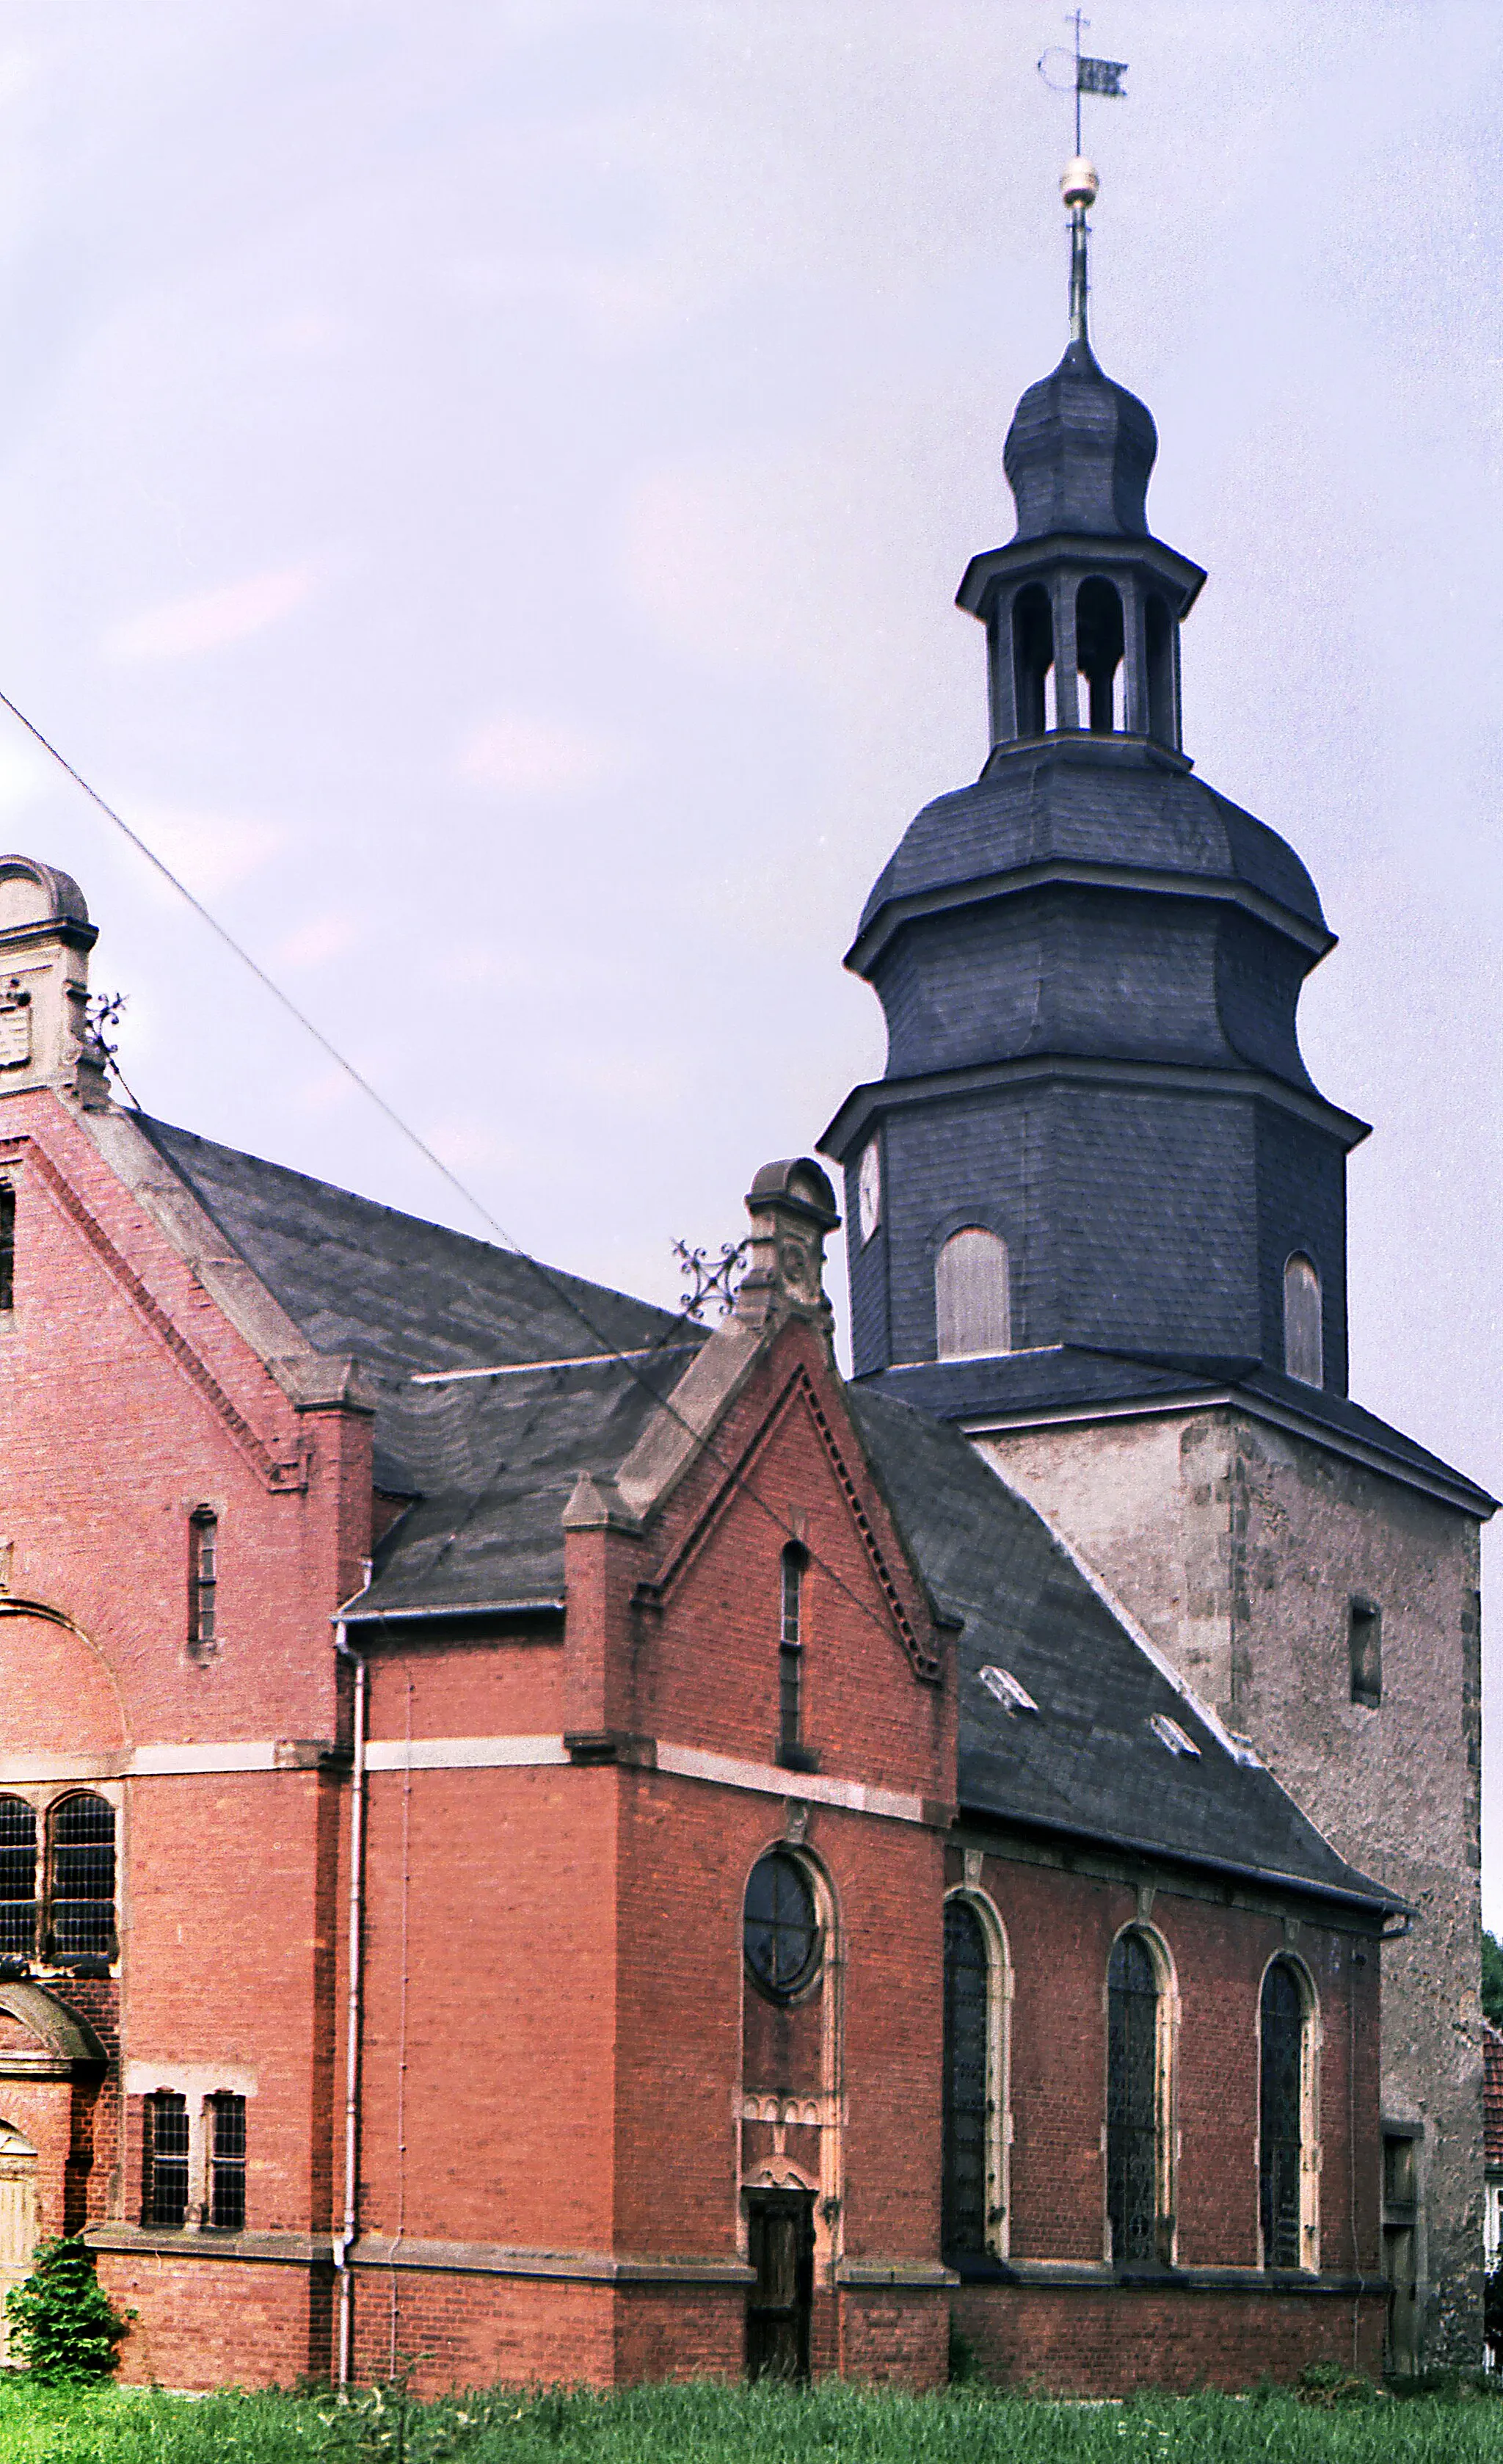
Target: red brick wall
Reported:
[(1061, 1928), (1085, 2340), (554, 2053), (207, 2322)]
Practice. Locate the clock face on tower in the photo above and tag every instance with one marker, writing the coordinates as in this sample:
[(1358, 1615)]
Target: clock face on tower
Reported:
[(868, 1190)]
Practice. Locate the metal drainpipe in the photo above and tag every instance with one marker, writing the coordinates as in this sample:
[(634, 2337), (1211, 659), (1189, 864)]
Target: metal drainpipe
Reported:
[(351, 2044)]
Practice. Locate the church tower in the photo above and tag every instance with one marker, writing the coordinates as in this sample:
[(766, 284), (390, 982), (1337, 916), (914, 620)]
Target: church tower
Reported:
[(1097, 1215)]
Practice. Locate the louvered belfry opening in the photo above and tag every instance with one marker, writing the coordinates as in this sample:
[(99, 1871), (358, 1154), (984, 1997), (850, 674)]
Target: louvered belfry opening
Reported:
[(1032, 658), (1132, 2104), (967, 1986), (1280, 2137), (1099, 639)]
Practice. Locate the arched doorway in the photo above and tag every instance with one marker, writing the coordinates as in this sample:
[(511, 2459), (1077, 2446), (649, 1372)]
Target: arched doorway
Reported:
[(17, 2218)]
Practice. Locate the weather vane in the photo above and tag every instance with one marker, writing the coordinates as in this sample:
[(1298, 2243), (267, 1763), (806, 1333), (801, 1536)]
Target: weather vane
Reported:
[(1082, 182)]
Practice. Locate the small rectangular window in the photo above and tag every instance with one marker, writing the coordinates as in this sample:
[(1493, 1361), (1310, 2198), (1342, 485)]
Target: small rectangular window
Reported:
[(227, 2189), (203, 1580), (1364, 1651), (165, 2159), (792, 1752), (7, 1248)]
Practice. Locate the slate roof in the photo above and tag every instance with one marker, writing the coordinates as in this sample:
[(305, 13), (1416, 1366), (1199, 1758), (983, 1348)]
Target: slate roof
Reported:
[(1017, 1385), (1087, 1761), (490, 1460), (401, 1294), (1056, 805), (1080, 452)]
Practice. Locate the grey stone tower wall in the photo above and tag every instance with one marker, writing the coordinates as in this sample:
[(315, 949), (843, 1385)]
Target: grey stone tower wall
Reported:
[(1238, 1549)]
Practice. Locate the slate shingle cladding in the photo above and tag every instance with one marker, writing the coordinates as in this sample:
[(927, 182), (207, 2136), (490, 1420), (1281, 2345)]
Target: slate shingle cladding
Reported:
[(1090, 962)]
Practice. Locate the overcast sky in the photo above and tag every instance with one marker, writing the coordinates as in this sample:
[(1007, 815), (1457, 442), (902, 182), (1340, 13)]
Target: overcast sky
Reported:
[(483, 487)]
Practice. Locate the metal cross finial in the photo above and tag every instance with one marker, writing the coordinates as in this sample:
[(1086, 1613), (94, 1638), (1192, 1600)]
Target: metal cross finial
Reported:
[(1079, 184), (1079, 22)]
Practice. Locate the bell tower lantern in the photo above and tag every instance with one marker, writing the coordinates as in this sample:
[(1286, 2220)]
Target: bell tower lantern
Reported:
[(1096, 1133)]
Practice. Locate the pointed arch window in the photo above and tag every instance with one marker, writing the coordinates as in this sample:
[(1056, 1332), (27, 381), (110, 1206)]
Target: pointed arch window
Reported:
[(973, 1296), (1303, 1342), (974, 2198), (1138, 2053), (1287, 2120)]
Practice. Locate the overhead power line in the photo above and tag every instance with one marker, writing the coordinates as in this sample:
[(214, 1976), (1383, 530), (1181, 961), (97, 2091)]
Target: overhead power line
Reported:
[(556, 1285)]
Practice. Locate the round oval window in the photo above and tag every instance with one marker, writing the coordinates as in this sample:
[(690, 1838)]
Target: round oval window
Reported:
[(781, 1932)]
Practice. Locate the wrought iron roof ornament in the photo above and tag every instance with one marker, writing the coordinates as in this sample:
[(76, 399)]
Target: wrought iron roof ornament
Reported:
[(104, 1011), (709, 1278)]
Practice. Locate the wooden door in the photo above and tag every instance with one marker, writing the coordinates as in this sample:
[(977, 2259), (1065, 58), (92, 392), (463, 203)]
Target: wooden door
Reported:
[(778, 2306), (17, 2218)]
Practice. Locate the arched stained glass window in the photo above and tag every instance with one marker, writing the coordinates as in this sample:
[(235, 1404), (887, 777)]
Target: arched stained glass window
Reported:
[(1303, 1349), (18, 1878), (781, 1932), (82, 1900), (1281, 2070), (973, 1301), (968, 1989), (1132, 2103)]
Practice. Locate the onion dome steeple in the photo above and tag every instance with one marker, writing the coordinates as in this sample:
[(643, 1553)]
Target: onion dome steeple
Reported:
[(1080, 448), (1096, 1133)]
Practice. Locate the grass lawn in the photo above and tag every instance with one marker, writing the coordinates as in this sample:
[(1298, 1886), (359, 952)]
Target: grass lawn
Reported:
[(734, 2425)]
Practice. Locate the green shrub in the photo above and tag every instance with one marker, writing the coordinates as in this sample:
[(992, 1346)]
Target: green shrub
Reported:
[(63, 2325)]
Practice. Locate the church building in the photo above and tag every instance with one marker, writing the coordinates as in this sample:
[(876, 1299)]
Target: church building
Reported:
[(542, 1839)]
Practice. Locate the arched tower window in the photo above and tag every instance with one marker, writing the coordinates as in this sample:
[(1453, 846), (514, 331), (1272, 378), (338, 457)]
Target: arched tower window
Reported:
[(81, 1906), (1303, 1349), (972, 1300), (18, 1878), (1033, 659), (1158, 628), (1098, 651), (1136, 2102), (973, 2197), (1287, 2125)]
